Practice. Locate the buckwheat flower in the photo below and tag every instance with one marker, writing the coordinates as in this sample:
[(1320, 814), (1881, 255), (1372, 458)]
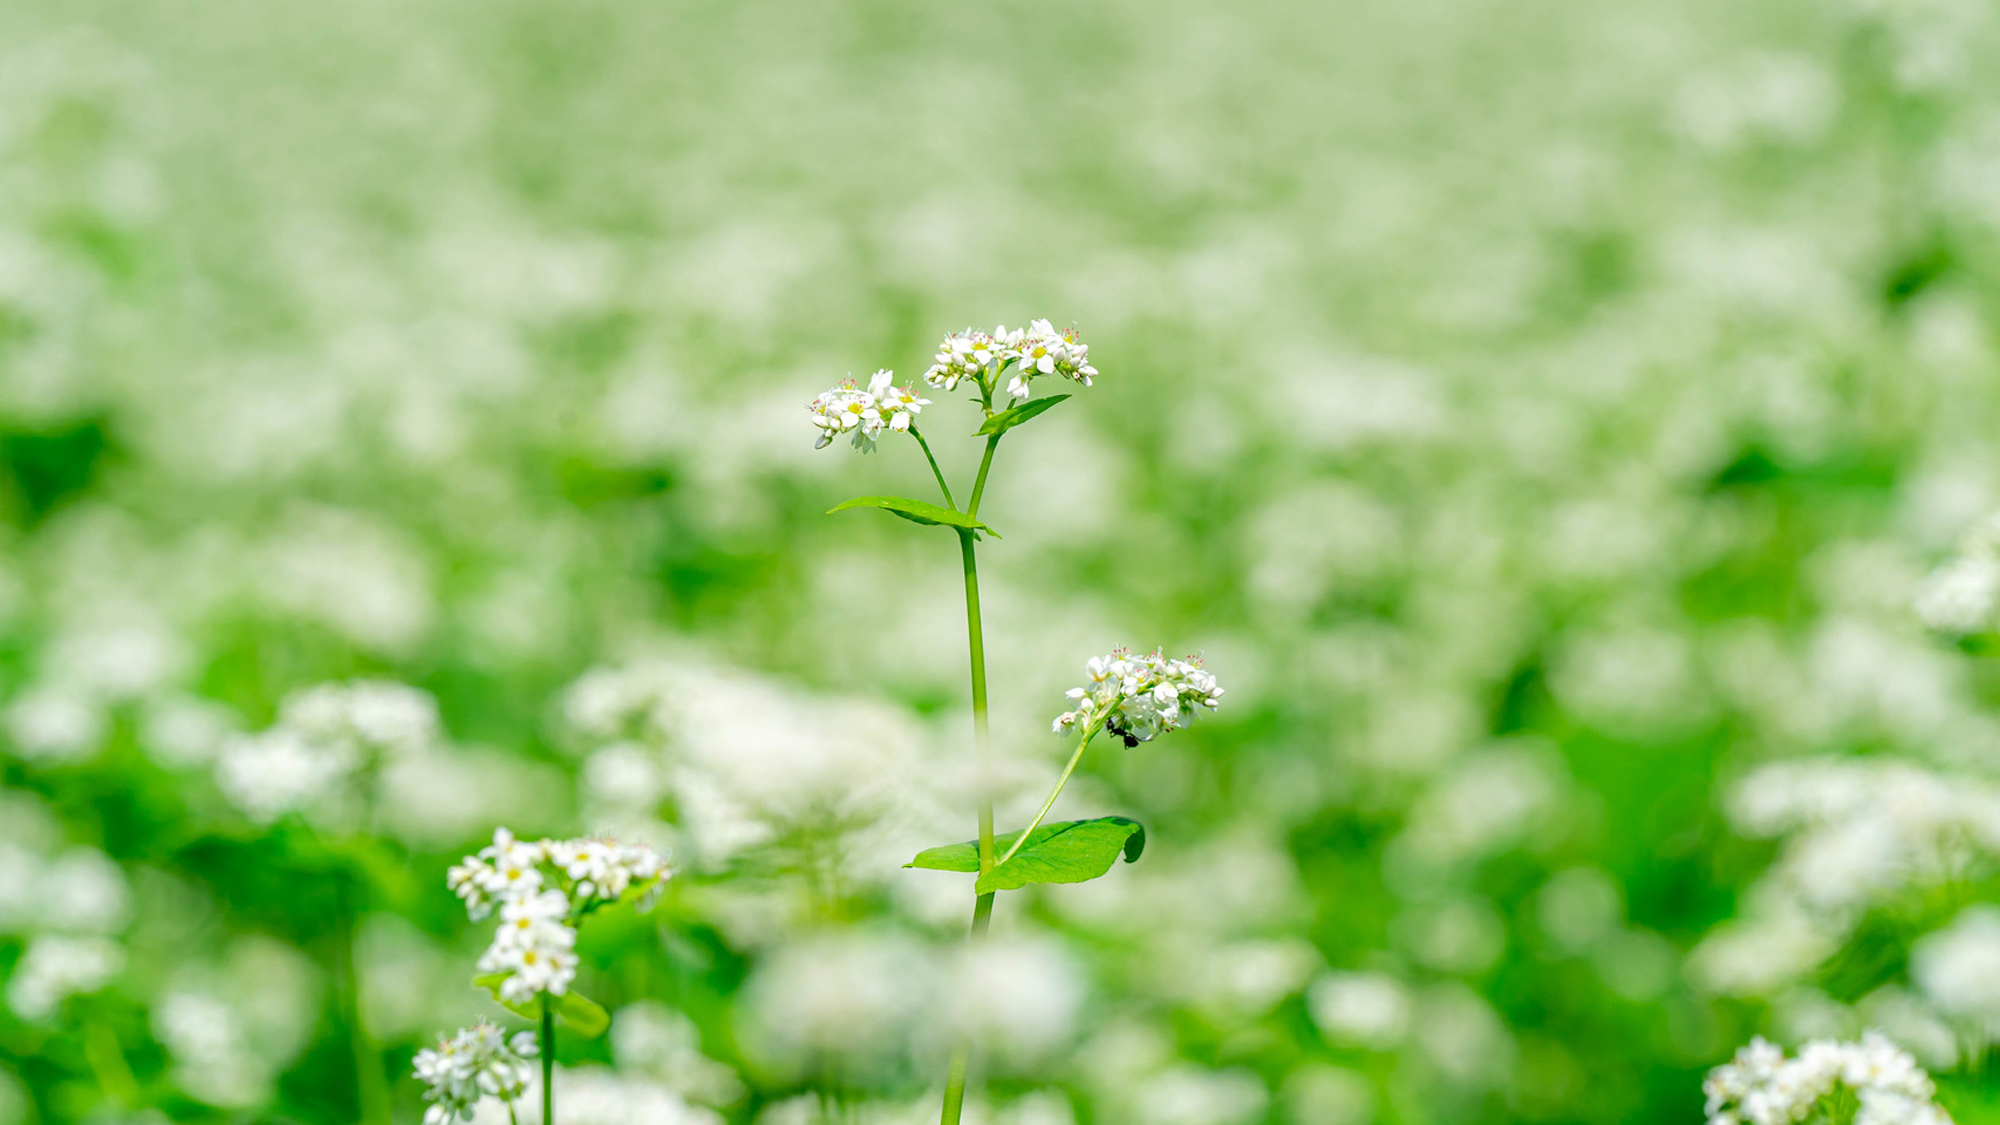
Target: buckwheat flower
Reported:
[(534, 946), (1138, 697), (899, 405), (605, 869), (963, 355), (865, 414), (514, 865), (469, 879), (846, 409), (1761, 1087), (477, 1063), (1044, 351)]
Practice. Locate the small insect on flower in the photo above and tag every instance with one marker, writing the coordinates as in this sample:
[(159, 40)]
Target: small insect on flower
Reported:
[(477, 1063), (1138, 697), (865, 414)]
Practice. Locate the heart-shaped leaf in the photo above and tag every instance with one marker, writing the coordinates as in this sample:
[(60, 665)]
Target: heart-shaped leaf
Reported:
[(916, 511), (1070, 851), (586, 1016), (1015, 415)]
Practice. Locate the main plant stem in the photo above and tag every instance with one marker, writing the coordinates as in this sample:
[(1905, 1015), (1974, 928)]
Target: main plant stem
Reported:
[(548, 1048), (982, 908)]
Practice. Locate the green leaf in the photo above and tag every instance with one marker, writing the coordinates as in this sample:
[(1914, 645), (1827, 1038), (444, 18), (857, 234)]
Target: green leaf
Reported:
[(916, 511), (1071, 851), (1015, 415), (584, 1015)]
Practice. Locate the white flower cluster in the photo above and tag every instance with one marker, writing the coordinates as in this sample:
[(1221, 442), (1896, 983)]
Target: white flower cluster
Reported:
[(866, 414), (1760, 1086), (542, 889), (58, 966), (477, 1063), (1039, 349), (1137, 697), (1962, 596), (324, 737)]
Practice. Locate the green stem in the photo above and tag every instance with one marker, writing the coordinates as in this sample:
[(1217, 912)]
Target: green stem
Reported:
[(548, 1047), (1081, 743), (935, 471), (961, 1052), (372, 1086), (982, 909), (108, 1065), (979, 483)]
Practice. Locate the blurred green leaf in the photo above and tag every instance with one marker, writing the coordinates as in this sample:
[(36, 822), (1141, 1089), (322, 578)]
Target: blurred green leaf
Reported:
[(916, 511), (1015, 415), (1070, 851), (582, 1014)]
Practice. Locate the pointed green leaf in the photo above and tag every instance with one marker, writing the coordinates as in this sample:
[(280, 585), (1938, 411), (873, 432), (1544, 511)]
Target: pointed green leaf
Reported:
[(586, 1016), (1015, 415), (1071, 851), (916, 511)]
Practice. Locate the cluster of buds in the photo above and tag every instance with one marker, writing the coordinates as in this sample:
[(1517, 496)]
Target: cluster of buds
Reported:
[(1039, 349), (1137, 697), (865, 414), (542, 890), (1760, 1086), (479, 1062)]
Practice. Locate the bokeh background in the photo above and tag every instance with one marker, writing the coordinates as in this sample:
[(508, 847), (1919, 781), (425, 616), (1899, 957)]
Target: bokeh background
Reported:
[(1541, 414)]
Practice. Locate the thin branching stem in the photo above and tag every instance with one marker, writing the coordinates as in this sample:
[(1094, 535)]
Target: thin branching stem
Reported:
[(1081, 743), (935, 471)]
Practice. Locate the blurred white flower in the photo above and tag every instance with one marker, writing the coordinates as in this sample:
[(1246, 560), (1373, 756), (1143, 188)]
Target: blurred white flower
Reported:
[(181, 731), (595, 1095), (52, 724), (479, 1062), (1189, 1095), (1960, 596), (56, 967), (855, 995), (1361, 1009), (1017, 996), (1958, 968), (649, 1038), (279, 771)]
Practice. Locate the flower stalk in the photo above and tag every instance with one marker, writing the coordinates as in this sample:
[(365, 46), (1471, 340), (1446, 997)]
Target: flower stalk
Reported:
[(1134, 699)]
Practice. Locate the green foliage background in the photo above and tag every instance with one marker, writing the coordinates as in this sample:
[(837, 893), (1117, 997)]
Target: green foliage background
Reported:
[(1556, 376)]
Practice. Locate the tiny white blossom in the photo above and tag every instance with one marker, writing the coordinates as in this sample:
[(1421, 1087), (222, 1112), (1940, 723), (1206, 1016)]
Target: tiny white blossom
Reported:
[(1761, 1087), (1042, 350), (865, 414), (477, 1063), (1138, 697), (541, 890)]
